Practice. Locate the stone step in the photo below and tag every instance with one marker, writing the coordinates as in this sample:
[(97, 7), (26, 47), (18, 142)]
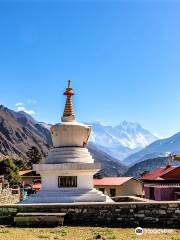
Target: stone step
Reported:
[(69, 150), (69, 159), (60, 158), (61, 155), (64, 192), (76, 160), (60, 151), (90, 196), (66, 196), (68, 156), (39, 219), (66, 199)]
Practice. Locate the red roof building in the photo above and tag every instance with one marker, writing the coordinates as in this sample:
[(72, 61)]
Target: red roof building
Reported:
[(166, 173), (111, 181), (162, 184), (119, 186)]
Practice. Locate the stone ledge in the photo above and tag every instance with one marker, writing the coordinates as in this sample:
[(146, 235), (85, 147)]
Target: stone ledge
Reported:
[(66, 166)]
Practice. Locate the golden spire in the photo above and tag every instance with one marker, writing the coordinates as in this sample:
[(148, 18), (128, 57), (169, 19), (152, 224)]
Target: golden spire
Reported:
[(68, 114)]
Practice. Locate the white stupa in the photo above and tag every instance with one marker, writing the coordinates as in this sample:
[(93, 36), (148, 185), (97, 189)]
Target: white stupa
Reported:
[(67, 172)]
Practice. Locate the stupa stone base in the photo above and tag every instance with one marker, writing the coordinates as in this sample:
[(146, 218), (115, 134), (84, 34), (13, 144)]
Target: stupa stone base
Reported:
[(68, 196)]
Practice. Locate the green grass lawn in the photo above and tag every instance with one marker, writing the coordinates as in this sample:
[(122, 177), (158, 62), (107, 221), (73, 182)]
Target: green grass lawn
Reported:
[(81, 233)]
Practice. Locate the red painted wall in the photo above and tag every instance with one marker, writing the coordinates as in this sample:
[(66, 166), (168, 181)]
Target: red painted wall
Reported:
[(161, 194)]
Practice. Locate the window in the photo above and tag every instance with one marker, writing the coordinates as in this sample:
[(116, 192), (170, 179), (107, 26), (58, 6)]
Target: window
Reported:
[(112, 192), (102, 190), (67, 181)]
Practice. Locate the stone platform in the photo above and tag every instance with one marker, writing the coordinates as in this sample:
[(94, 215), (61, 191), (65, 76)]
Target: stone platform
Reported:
[(68, 196)]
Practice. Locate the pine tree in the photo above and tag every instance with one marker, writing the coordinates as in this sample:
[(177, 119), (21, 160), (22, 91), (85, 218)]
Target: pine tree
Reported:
[(20, 163), (10, 171), (34, 155)]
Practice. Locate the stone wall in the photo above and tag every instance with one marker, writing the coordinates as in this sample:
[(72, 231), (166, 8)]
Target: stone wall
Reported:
[(9, 196), (156, 214)]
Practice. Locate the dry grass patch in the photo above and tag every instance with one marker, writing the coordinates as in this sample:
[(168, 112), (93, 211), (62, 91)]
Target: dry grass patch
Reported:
[(81, 233)]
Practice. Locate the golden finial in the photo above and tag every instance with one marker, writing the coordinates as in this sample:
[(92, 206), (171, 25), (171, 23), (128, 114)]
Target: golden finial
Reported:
[(68, 114)]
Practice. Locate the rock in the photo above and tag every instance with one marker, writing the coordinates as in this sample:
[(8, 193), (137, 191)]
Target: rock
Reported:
[(162, 212), (177, 211)]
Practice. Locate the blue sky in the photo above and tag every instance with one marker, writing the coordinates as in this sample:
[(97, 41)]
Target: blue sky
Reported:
[(123, 58)]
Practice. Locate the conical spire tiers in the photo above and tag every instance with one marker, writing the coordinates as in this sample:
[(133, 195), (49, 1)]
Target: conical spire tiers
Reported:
[(68, 114)]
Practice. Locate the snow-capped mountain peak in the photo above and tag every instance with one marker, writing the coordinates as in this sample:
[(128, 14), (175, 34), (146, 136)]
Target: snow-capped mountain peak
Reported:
[(121, 140)]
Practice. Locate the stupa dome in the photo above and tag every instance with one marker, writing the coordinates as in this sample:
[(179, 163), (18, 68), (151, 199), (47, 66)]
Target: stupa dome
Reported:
[(70, 134)]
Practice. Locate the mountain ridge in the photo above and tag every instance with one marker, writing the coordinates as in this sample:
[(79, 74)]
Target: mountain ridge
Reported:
[(148, 165), (159, 148)]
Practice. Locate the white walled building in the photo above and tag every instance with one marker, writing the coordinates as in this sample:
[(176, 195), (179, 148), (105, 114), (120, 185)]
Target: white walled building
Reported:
[(67, 172)]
